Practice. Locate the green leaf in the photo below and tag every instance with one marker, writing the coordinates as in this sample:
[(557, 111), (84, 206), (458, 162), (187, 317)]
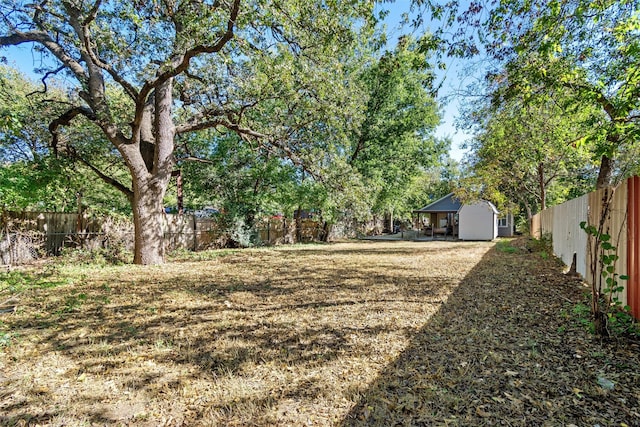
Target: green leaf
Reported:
[(607, 246)]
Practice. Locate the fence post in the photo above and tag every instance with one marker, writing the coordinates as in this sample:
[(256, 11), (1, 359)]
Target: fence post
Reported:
[(195, 234)]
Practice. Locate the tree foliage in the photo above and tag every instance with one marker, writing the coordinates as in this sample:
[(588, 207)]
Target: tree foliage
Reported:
[(530, 152), (589, 49), (145, 73), (395, 143), (30, 177)]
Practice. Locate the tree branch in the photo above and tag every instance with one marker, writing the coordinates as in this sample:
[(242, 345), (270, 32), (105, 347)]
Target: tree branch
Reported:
[(65, 120), (44, 80), (196, 160), (181, 64), (129, 89), (43, 38), (202, 121), (107, 179)]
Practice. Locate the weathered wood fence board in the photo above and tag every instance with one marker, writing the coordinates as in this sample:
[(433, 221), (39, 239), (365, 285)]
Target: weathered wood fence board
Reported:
[(24, 236), (621, 222), (633, 245)]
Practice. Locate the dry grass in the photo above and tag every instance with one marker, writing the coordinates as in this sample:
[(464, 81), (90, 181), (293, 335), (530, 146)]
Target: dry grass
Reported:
[(341, 334)]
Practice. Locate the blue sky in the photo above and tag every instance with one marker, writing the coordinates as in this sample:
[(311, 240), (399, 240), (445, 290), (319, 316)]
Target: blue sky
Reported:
[(23, 59), (449, 94)]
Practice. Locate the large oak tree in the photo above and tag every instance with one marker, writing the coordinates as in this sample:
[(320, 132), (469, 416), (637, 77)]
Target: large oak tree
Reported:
[(250, 67)]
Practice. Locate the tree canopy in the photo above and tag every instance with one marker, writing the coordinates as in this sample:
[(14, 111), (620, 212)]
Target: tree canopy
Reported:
[(144, 74), (395, 141), (590, 50)]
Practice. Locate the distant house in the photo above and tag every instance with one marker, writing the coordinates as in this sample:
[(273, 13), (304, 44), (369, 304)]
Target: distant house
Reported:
[(439, 217), (506, 225), (449, 217)]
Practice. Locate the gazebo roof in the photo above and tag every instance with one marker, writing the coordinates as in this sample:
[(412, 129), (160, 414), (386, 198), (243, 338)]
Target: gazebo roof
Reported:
[(447, 203)]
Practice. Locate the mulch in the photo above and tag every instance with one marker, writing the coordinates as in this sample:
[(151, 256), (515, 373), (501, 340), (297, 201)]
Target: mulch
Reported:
[(509, 349), (350, 334)]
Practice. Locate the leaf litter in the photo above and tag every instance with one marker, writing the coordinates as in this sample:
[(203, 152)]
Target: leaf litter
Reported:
[(364, 333)]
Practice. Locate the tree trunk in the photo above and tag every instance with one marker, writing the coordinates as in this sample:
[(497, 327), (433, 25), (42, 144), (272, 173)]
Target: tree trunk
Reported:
[(179, 191), (325, 232), (148, 221), (298, 222), (606, 170), (543, 189), (151, 164)]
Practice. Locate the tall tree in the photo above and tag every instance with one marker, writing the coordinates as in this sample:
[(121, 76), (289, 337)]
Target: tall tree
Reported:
[(524, 149), (589, 48), (395, 142), (185, 66)]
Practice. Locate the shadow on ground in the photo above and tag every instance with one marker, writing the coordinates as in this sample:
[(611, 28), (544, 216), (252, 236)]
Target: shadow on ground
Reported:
[(506, 349), (401, 334)]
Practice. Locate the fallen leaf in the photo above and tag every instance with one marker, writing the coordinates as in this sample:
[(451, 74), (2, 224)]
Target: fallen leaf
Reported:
[(481, 412)]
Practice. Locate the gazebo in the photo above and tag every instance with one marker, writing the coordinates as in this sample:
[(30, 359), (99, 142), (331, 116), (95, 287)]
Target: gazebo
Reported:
[(439, 217)]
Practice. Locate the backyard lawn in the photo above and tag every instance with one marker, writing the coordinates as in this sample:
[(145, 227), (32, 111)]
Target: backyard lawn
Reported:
[(344, 334)]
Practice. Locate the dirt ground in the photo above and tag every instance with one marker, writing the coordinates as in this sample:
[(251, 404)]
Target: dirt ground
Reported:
[(346, 334)]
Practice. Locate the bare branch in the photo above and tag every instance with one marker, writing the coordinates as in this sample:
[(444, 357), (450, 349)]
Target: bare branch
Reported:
[(106, 178), (56, 49), (196, 160), (44, 80), (65, 120)]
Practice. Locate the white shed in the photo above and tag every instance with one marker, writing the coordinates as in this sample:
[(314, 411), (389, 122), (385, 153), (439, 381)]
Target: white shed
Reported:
[(478, 221)]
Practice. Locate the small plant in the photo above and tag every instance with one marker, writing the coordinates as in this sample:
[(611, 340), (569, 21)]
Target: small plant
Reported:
[(505, 247), (544, 243), (583, 314), (73, 302), (5, 339), (542, 246), (610, 316)]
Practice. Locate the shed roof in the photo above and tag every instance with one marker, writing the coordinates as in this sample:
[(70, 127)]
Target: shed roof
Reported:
[(447, 203), (492, 207)]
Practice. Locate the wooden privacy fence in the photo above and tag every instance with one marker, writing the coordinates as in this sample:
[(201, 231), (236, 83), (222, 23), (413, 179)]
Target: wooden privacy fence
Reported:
[(621, 222), (27, 236), (190, 232)]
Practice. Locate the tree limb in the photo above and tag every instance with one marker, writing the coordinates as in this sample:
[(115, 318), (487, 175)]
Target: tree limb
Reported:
[(196, 160), (128, 87), (44, 80), (43, 38), (107, 179), (181, 64), (65, 120)]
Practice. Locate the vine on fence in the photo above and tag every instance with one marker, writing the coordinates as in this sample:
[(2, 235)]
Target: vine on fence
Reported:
[(608, 312)]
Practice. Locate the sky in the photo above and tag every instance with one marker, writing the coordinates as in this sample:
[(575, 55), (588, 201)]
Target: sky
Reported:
[(449, 94), (24, 60)]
